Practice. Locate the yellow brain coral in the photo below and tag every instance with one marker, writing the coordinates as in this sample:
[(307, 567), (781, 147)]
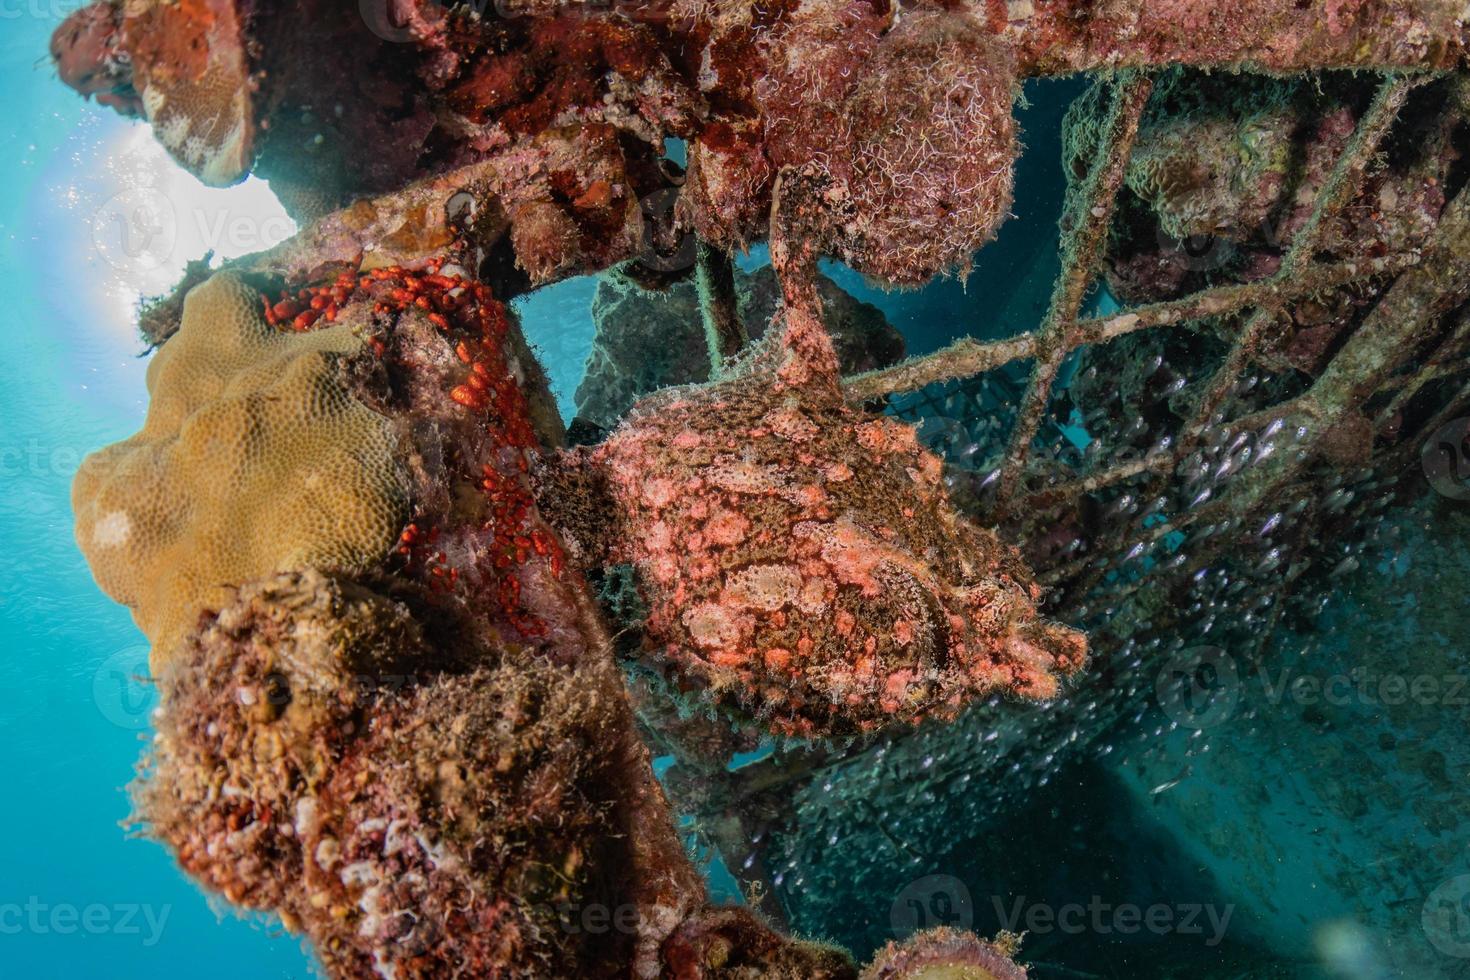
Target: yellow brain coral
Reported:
[(255, 458)]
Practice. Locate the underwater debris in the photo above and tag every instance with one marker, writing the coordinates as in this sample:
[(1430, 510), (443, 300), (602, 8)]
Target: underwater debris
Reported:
[(425, 660), (322, 700), (803, 560), (917, 183)]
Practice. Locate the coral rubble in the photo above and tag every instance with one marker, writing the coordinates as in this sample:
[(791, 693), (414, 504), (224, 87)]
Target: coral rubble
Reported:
[(414, 810)]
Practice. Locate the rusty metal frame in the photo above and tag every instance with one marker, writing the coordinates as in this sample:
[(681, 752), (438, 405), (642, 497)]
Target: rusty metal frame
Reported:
[(1021, 496), (1300, 275)]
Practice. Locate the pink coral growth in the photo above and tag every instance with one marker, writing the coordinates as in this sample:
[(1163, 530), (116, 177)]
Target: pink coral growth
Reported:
[(802, 559)]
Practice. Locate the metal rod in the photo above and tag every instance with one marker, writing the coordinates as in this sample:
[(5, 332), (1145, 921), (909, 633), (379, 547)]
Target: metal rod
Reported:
[(1080, 253), (1341, 186), (719, 306), (968, 357)]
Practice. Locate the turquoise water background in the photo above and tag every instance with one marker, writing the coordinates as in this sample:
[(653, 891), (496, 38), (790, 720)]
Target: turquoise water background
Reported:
[(78, 898)]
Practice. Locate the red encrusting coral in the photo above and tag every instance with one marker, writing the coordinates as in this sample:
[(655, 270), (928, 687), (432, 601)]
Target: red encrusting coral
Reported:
[(466, 314)]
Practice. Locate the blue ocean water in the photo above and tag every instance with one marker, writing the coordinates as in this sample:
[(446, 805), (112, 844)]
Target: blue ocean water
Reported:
[(78, 898)]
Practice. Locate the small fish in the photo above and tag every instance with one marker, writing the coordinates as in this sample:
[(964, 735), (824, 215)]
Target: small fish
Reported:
[(1163, 787)]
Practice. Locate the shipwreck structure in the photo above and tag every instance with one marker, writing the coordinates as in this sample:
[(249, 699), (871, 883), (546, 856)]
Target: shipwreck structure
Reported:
[(408, 692)]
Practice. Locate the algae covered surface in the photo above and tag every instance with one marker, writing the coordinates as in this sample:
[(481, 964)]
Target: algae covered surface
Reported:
[(730, 491)]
